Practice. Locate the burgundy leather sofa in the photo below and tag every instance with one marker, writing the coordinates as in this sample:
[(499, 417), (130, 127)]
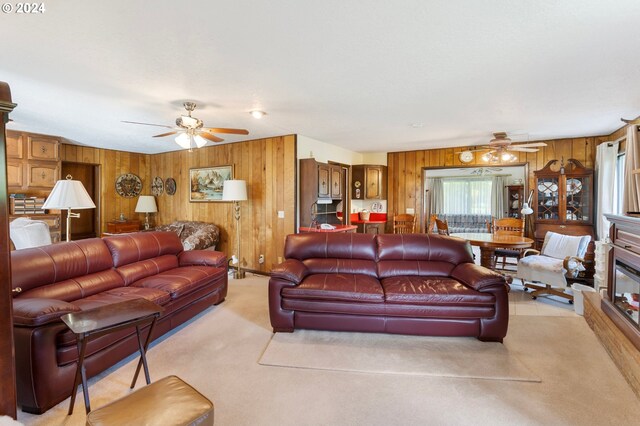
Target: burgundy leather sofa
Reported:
[(405, 284), (84, 274)]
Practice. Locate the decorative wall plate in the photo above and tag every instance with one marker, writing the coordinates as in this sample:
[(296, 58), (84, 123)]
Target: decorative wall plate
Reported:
[(170, 186), (157, 186), (128, 185)]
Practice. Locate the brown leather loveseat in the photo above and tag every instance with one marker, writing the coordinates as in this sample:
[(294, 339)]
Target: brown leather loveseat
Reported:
[(81, 275), (405, 284)]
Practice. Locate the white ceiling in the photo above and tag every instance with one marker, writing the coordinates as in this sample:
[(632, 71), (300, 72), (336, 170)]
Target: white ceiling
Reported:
[(352, 73)]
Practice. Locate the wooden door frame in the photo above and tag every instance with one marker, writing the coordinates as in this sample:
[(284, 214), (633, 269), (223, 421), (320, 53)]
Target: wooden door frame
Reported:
[(8, 402)]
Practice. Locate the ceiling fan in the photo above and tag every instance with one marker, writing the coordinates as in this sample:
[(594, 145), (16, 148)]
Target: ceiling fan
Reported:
[(499, 147), (190, 130)]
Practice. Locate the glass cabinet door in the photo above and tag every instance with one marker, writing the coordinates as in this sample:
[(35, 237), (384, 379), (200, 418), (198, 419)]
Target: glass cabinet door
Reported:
[(548, 197), (578, 198)]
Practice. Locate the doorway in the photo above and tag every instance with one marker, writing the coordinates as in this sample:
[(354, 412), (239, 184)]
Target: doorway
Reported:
[(85, 226)]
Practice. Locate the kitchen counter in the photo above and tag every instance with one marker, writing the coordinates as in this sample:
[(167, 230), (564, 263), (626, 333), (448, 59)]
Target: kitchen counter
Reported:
[(338, 228), (373, 218)]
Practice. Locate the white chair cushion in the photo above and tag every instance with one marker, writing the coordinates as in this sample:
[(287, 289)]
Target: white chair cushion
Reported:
[(542, 263), (560, 246)]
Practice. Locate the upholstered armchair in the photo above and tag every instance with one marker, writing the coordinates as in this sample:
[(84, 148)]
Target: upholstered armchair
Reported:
[(194, 235), (27, 233), (561, 257)]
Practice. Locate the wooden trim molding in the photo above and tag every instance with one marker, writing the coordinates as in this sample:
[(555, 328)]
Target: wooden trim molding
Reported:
[(8, 402)]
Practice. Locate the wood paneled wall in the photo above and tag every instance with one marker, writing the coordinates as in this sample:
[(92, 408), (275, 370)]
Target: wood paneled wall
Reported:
[(112, 164), (405, 168), (269, 168)]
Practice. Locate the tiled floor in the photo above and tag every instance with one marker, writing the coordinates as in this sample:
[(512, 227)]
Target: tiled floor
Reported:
[(520, 302)]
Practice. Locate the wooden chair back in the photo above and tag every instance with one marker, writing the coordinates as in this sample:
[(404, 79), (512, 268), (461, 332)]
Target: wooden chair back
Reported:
[(443, 226), (432, 224), (508, 226), (404, 224)]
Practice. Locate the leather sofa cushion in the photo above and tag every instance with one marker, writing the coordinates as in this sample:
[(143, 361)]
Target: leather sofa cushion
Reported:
[(424, 247), (39, 266), (393, 268), (180, 281), (78, 287), (326, 245), (122, 294), (337, 287), (417, 290), (33, 312), (137, 246), (341, 266), (138, 270)]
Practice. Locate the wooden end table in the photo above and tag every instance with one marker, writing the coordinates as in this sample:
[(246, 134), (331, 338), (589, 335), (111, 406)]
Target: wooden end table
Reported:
[(104, 320)]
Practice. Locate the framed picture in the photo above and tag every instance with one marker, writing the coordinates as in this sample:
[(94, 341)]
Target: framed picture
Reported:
[(206, 183)]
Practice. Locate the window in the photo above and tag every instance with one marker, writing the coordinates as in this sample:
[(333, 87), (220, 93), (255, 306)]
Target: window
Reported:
[(619, 184), (467, 196)]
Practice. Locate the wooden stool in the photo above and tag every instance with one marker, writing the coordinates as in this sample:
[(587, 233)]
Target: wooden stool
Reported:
[(169, 401)]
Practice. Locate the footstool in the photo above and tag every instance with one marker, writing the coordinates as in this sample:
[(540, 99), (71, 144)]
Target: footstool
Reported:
[(169, 401)]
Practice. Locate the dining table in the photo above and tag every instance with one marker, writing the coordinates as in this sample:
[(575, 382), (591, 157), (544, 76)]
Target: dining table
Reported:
[(489, 242)]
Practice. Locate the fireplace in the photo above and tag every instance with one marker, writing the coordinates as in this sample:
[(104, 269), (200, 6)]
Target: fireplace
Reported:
[(623, 289)]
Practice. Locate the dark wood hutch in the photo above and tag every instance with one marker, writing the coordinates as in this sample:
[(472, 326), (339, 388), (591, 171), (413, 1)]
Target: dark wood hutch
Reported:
[(564, 204)]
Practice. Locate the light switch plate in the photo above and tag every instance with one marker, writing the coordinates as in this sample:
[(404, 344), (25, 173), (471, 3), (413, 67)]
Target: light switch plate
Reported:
[(280, 214), (411, 211)]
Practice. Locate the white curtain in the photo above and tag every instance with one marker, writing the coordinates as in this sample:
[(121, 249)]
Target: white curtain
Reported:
[(606, 198), (497, 197), (631, 198), (437, 197), (466, 196)]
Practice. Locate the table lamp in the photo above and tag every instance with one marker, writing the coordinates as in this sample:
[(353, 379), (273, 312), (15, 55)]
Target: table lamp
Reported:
[(68, 194), (236, 191), (146, 204)]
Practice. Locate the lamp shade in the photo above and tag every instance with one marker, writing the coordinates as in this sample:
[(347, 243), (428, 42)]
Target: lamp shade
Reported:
[(234, 190), (69, 194), (526, 209), (146, 204)]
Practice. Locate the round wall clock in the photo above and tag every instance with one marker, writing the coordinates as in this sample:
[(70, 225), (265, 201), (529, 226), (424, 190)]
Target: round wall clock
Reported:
[(466, 156), (170, 186), (128, 185), (157, 186)]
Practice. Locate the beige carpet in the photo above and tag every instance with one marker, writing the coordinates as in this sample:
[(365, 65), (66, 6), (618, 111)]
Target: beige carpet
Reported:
[(393, 354), (218, 352)]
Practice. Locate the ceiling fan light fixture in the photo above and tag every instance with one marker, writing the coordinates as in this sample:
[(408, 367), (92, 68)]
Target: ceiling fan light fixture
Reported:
[(183, 140), (257, 114), (508, 157), (199, 141)]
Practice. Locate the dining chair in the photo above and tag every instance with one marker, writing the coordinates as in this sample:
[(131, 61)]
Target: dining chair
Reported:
[(404, 224), (507, 226), (431, 227), (443, 226), (561, 257)]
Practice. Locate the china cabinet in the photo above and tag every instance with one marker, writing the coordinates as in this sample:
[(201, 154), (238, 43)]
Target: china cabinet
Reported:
[(564, 203), (515, 196)]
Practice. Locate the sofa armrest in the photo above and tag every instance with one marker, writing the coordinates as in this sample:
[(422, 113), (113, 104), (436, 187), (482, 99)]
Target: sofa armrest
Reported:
[(478, 277), (34, 312), (203, 257), (290, 270)]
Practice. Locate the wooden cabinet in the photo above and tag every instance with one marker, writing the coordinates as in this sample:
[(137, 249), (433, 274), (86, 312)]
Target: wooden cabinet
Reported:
[(564, 204), (515, 195), (321, 193), (33, 168), (371, 228), (369, 182), (118, 227)]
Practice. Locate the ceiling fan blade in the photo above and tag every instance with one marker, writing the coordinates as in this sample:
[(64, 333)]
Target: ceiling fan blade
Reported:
[(483, 148), (212, 138), (223, 130), (530, 145), (520, 149), (165, 134), (147, 124)]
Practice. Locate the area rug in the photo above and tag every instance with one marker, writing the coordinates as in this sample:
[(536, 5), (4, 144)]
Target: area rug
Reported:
[(395, 354)]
